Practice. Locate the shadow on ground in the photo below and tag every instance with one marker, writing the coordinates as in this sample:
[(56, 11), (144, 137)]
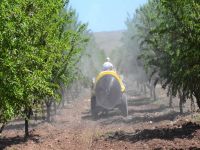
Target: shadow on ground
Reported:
[(9, 141), (113, 113), (131, 102), (141, 109), (152, 109), (138, 101), (143, 118), (185, 131), (155, 113), (15, 125)]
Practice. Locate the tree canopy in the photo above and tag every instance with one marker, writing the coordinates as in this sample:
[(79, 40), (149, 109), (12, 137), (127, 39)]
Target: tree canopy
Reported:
[(167, 35), (40, 45)]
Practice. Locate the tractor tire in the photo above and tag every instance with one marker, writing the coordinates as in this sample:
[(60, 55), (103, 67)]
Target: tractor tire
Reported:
[(124, 106), (94, 111)]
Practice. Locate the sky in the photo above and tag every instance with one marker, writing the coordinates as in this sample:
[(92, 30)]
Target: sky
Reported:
[(105, 15)]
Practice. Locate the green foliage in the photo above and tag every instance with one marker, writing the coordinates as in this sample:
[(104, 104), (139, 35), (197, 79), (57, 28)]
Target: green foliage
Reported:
[(40, 44), (183, 43), (168, 36)]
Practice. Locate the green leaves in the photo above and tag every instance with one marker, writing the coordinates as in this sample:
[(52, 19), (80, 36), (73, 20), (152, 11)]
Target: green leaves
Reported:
[(167, 32), (171, 29), (38, 39)]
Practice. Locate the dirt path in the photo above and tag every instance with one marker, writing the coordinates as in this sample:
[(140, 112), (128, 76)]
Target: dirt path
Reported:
[(149, 126)]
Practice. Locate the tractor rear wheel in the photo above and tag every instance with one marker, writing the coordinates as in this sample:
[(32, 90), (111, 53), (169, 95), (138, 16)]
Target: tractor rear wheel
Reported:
[(124, 106), (93, 107)]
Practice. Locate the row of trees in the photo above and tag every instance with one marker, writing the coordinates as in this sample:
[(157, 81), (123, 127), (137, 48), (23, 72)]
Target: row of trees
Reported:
[(41, 42), (91, 62), (166, 35)]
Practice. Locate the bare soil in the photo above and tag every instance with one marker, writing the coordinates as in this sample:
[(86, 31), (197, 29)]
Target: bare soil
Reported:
[(150, 125)]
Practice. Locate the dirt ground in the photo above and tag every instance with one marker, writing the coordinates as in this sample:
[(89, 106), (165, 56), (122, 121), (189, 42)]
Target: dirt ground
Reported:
[(150, 125)]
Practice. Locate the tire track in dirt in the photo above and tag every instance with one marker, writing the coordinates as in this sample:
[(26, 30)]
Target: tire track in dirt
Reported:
[(81, 131)]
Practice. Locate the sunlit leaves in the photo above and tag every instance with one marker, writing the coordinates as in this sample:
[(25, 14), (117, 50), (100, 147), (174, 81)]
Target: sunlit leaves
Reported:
[(171, 29), (39, 42)]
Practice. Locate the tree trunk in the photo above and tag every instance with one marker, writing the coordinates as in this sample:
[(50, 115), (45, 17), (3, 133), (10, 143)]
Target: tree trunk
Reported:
[(55, 107), (154, 88), (170, 96), (48, 105), (170, 100), (197, 96), (145, 90), (192, 106), (181, 101), (198, 103), (181, 106), (63, 97), (36, 115), (154, 93), (151, 92), (27, 118), (2, 127), (63, 103), (67, 96), (26, 128), (43, 112)]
